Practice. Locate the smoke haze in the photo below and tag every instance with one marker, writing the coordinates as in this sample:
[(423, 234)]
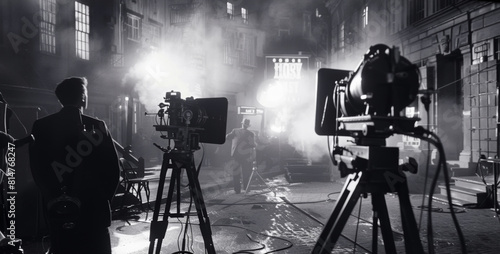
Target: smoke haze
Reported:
[(174, 66), (179, 65)]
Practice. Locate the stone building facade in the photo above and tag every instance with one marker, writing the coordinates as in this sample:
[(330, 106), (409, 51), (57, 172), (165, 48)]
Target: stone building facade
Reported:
[(455, 44)]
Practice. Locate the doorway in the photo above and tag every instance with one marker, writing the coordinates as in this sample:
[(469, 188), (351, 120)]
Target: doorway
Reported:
[(449, 117)]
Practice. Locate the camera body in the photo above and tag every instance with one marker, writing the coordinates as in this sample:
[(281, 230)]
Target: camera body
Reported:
[(366, 103), (190, 121), (184, 112)]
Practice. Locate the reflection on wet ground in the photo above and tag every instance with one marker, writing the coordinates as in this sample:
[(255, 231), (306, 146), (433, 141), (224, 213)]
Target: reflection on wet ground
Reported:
[(271, 224), (260, 222), (290, 218)]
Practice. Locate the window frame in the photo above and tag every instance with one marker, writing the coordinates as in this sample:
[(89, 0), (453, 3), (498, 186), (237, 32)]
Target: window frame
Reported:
[(416, 10), (48, 22), (365, 16), (230, 10), (244, 15), (342, 36), (134, 27), (82, 31)]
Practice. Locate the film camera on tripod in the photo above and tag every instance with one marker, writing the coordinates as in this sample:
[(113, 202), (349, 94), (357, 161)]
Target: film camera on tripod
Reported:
[(366, 105), (191, 121), (187, 123)]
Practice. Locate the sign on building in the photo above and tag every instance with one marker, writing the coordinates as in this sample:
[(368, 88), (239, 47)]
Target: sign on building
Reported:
[(245, 110), (284, 76)]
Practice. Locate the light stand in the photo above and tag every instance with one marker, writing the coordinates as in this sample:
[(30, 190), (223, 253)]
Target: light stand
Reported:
[(256, 173)]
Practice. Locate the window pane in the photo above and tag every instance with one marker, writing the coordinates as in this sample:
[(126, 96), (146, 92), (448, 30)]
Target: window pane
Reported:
[(82, 28), (47, 25)]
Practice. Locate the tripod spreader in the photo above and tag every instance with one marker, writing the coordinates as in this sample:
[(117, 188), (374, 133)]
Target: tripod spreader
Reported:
[(375, 171)]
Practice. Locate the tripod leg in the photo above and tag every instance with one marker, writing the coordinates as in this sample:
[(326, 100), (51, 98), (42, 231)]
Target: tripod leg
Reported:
[(341, 212), (381, 214), (158, 228), (264, 181), (195, 188), (148, 194), (249, 181), (374, 231), (260, 177), (410, 228), (495, 189)]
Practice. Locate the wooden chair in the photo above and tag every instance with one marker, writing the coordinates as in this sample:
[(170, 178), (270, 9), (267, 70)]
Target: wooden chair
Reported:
[(132, 182)]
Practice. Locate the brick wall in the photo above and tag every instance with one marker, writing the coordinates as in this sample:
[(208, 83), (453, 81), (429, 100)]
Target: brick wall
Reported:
[(469, 34)]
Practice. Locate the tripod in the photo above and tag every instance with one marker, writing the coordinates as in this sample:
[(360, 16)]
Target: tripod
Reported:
[(178, 160), (376, 172), (254, 171)]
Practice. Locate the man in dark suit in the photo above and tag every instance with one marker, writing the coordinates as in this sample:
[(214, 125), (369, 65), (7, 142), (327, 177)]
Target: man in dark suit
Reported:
[(75, 165), (243, 153)]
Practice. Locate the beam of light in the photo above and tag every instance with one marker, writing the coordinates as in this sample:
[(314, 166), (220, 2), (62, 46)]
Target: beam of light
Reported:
[(158, 72), (277, 128), (272, 94), (290, 109)]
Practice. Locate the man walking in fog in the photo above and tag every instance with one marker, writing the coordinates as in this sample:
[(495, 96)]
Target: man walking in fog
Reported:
[(75, 165), (242, 153)]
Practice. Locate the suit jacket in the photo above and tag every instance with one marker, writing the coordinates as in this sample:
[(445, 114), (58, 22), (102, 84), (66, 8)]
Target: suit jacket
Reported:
[(76, 151), (243, 142)]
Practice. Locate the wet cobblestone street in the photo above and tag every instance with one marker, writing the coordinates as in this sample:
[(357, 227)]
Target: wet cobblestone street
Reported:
[(290, 218)]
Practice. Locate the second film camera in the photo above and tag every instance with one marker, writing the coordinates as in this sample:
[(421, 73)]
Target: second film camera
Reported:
[(190, 121), (366, 103)]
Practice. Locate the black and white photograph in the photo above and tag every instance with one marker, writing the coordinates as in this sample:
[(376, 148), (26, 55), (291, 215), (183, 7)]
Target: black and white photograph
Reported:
[(249, 126)]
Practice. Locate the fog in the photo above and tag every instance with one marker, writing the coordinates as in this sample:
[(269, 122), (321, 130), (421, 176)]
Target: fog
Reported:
[(168, 68), (174, 66)]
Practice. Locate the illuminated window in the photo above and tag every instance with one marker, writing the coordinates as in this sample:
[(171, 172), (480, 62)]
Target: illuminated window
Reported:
[(82, 29), (319, 64), (244, 15), (342, 36), (135, 117), (48, 26), (318, 14), (230, 10), (133, 27), (365, 16)]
